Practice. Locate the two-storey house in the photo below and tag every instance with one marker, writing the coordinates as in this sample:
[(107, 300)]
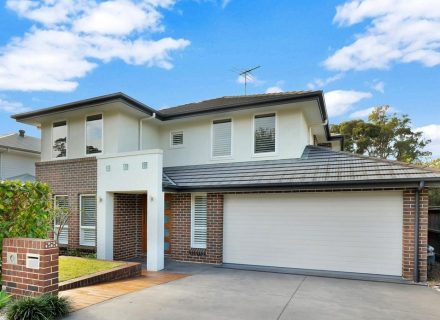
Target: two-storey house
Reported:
[(247, 181)]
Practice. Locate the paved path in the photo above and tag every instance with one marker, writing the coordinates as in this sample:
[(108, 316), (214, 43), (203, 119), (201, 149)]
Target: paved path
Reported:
[(216, 293)]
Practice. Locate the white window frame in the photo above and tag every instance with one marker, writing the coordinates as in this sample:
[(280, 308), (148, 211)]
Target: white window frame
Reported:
[(194, 245), (212, 139), (265, 154), (66, 226), (67, 140), (81, 243), (171, 139), (85, 134)]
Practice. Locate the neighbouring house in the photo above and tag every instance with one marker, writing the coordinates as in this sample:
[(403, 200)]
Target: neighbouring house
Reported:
[(253, 180), (18, 155)]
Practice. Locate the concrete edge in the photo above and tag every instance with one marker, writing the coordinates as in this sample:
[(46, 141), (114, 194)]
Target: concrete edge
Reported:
[(322, 273)]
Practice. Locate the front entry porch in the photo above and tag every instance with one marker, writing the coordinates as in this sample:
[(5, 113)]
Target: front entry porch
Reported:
[(130, 207)]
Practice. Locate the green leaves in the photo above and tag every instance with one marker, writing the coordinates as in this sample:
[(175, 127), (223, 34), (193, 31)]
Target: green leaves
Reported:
[(24, 209), (383, 136)]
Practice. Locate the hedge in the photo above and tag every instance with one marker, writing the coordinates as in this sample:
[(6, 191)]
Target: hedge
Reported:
[(25, 210)]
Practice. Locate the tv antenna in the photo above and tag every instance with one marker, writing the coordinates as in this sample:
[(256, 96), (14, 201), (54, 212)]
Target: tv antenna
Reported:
[(247, 75)]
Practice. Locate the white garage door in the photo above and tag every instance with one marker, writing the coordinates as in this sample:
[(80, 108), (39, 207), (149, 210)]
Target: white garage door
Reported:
[(339, 231)]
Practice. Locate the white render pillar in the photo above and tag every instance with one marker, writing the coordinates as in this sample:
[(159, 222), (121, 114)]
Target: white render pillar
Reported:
[(104, 223), (155, 216)]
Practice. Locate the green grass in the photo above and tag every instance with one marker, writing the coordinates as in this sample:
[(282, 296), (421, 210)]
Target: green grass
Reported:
[(74, 267)]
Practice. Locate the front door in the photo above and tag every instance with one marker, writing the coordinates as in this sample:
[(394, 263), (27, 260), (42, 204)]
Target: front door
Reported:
[(167, 223)]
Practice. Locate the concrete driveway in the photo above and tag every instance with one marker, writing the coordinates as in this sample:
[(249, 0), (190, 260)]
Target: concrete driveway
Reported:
[(217, 293)]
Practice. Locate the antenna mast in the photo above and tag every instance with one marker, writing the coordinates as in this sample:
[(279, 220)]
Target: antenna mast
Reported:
[(247, 74)]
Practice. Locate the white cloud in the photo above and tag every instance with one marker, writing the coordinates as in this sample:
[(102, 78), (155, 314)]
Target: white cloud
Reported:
[(399, 31), (250, 79), (72, 38), (339, 102), (320, 83), (274, 89), (432, 132), (379, 86), (12, 107), (359, 114)]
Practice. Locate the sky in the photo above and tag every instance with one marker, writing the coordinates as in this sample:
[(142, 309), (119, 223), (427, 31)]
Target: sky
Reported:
[(361, 53)]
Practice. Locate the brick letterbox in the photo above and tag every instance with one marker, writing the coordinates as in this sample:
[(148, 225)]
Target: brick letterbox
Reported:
[(30, 266)]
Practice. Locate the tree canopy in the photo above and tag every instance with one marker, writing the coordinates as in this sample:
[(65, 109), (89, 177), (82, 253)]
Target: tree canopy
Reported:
[(384, 135)]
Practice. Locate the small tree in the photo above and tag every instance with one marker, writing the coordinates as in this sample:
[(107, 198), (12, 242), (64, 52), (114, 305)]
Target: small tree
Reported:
[(434, 194), (383, 136), (59, 215)]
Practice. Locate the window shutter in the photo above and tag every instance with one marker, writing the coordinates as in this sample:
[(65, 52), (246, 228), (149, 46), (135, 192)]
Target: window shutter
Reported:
[(88, 221), (221, 140), (177, 139), (264, 133), (61, 202), (199, 221)]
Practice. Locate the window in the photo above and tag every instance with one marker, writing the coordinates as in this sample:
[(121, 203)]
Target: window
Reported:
[(88, 220), (264, 133), (62, 203), (177, 139), (59, 139), (94, 134), (221, 138), (199, 209)]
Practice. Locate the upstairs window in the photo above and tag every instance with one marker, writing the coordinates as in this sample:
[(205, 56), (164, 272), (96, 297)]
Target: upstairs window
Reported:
[(264, 133), (176, 139), (222, 138), (87, 235), (94, 134), (59, 139), (199, 212), (61, 224)]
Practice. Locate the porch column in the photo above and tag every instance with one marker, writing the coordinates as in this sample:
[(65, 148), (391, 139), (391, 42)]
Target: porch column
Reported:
[(104, 225), (155, 216)]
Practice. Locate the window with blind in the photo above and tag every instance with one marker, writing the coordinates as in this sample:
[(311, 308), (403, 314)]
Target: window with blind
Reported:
[(176, 139), (264, 133), (59, 139), (61, 225), (199, 213), (222, 138), (88, 220)]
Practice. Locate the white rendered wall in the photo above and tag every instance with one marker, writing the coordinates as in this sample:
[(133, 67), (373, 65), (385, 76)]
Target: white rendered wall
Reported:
[(17, 163), (113, 178)]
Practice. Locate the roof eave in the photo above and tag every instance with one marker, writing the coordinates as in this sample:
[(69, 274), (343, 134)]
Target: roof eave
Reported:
[(365, 184)]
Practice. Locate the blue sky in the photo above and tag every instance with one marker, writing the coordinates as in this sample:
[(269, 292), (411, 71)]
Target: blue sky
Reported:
[(362, 53)]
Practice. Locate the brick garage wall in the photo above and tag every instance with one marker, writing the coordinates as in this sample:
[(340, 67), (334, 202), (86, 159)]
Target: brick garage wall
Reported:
[(181, 229), (409, 219), (127, 226), (17, 279), (72, 178)]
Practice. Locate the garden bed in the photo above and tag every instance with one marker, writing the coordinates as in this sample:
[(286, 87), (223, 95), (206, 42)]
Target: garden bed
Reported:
[(75, 272)]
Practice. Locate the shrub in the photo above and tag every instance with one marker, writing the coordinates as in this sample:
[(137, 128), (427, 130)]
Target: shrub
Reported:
[(58, 306), (25, 209), (45, 307), (4, 299)]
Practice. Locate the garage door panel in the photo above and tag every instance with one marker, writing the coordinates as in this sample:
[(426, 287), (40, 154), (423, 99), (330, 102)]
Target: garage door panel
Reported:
[(352, 232)]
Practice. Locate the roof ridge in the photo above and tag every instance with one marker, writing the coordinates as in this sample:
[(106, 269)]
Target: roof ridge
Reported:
[(388, 161), (8, 134)]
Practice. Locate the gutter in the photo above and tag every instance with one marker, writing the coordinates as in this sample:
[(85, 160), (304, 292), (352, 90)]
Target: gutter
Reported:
[(416, 233)]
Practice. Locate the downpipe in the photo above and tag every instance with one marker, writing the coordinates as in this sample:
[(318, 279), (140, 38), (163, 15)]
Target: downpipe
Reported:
[(416, 233)]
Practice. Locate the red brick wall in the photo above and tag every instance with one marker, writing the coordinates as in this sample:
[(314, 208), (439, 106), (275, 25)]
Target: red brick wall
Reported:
[(409, 212), (18, 280), (181, 229), (127, 226), (72, 178)]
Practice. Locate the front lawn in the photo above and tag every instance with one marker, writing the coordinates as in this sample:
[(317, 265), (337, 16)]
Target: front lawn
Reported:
[(75, 267)]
